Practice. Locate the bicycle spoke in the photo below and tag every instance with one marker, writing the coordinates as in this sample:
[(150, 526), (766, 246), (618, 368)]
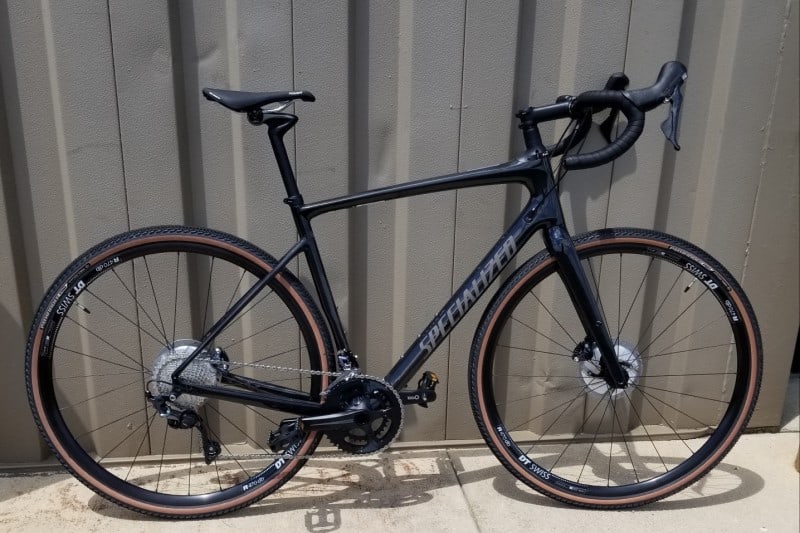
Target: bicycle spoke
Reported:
[(658, 309), (235, 290), (115, 389), (594, 439), (155, 298), (535, 351), (208, 294), (262, 415), (140, 369), (687, 336), (239, 429), (611, 442), (139, 305), (546, 376), (191, 451), (619, 300), (498, 404), (640, 386), (145, 437), (137, 326), (126, 415), (95, 335), (175, 308), (225, 446), (258, 332), (243, 313), (644, 427), (547, 429), (635, 296), (120, 443), (515, 319), (673, 321), (578, 432), (111, 374), (161, 463), (648, 397), (666, 354), (290, 350), (554, 318), (551, 409)]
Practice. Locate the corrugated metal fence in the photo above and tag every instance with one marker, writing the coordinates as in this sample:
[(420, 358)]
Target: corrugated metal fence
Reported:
[(103, 129)]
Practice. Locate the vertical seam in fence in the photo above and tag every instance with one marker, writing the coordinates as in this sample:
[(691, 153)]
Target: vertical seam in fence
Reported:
[(455, 207), (58, 127), (119, 116), (767, 132), (616, 126)]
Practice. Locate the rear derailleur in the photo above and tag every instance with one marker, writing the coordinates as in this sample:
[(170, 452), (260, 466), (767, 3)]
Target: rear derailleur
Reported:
[(186, 419)]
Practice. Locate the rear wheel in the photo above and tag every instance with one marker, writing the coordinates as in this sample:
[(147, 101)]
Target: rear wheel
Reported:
[(683, 331), (121, 319)]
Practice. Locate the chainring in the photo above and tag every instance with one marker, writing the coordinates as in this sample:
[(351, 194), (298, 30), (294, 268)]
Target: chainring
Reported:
[(371, 394)]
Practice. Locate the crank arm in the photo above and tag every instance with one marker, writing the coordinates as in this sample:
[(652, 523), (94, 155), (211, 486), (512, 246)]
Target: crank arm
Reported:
[(338, 421)]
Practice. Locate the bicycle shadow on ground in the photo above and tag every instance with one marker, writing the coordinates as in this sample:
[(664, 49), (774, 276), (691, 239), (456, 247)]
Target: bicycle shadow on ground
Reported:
[(326, 489), (726, 483)]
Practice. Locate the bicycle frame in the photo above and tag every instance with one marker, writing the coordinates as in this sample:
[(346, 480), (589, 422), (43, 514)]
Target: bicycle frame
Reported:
[(541, 212)]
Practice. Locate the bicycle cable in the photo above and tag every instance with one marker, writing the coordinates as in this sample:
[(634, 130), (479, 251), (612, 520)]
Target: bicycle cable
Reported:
[(561, 171)]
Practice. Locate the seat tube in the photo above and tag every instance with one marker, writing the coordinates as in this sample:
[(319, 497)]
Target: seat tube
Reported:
[(560, 245), (279, 124)]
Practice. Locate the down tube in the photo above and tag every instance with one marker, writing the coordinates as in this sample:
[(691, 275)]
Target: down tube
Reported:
[(466, 295)]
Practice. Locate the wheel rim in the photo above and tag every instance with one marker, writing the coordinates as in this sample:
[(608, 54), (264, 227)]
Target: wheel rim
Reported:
[(92, 398), (621, 444)]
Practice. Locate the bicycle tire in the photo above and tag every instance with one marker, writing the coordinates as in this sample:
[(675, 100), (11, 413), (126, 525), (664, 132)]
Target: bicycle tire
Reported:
[(100, 336), (551, 421)]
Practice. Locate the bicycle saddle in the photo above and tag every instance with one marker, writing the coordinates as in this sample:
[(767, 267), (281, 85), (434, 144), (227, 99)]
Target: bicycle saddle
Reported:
[(243, 101)]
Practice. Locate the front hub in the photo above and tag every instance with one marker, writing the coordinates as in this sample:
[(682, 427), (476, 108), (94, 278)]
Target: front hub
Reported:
[(595, 376)]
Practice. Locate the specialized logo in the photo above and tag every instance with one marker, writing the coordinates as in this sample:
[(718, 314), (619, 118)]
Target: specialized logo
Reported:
[(431, 339)]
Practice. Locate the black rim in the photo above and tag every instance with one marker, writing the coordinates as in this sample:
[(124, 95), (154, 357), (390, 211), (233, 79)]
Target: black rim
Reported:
[(158, 324), (595, 457)]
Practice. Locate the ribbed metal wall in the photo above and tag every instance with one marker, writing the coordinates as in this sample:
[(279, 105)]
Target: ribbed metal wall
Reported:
[(103, 129)]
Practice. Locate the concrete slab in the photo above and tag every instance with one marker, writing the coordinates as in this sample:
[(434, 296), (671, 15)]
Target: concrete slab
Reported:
[(401, 491), (755, 488)]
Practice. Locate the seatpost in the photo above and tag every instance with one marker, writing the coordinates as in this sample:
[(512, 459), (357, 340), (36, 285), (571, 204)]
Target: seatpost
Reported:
[(278, 125)]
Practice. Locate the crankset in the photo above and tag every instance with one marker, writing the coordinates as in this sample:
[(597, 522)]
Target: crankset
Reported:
[(366, 414)]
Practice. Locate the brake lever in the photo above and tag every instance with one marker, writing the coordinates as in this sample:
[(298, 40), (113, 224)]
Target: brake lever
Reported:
[(670, 126)]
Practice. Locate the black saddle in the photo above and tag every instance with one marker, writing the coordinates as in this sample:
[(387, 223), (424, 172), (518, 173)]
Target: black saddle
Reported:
[(242, 101)]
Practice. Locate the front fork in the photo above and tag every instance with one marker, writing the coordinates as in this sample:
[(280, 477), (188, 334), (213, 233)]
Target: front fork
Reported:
[(560, 246)]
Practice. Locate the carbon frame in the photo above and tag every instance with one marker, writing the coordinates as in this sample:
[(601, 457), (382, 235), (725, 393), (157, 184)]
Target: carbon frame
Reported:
[(542, 211)]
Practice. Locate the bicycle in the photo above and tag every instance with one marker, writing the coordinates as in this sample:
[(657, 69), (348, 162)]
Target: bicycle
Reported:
[(610, 370)]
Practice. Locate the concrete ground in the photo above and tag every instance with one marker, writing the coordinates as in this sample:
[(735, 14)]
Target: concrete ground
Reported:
[(464, 489)]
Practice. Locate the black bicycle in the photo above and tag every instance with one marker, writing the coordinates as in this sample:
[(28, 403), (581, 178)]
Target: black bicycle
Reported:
[(185, 372)]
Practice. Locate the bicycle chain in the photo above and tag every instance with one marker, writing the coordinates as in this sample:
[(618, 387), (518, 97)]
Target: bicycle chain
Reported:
[(338, 455)]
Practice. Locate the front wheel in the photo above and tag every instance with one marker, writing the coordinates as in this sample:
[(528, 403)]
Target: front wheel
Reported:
[(683, 331), (120, 320)]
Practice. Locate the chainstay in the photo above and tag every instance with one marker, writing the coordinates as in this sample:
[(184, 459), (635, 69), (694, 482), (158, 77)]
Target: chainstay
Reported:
[(327, 455)]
